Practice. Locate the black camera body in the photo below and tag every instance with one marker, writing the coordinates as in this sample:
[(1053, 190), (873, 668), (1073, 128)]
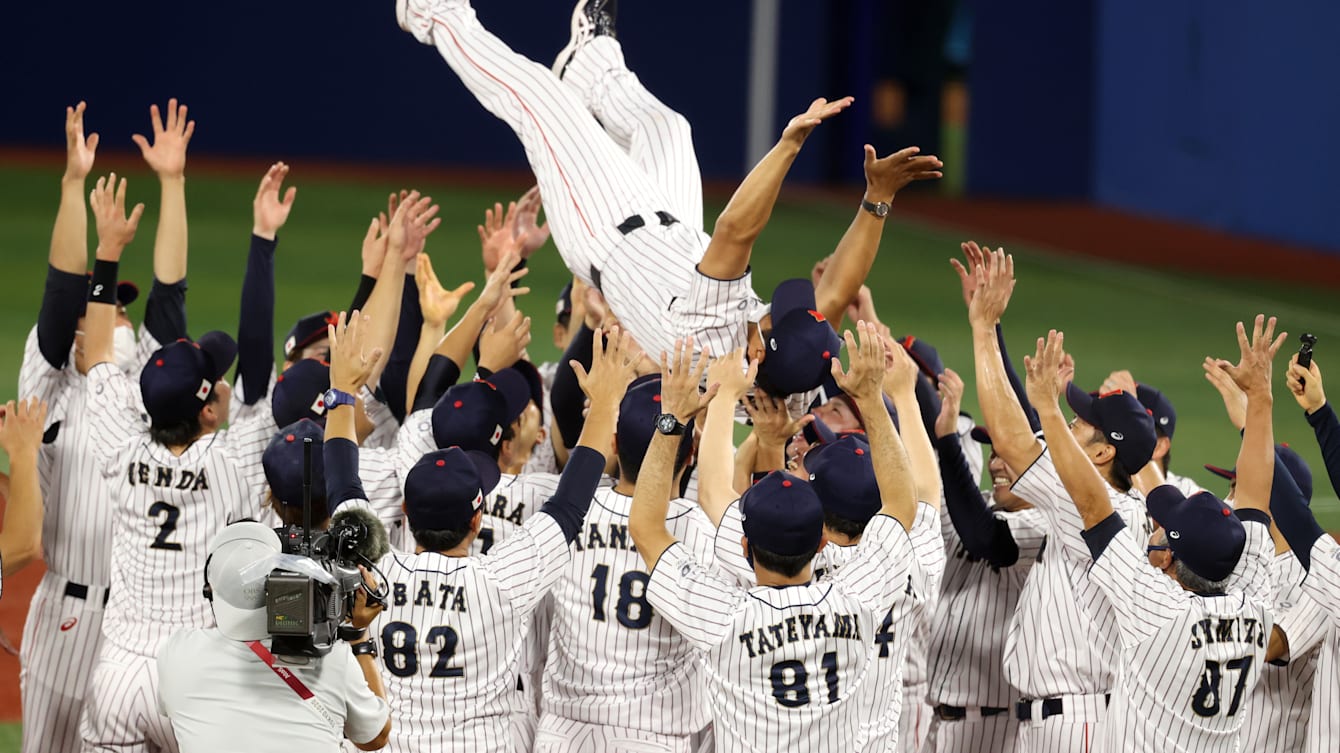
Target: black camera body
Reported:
[(304, 611)]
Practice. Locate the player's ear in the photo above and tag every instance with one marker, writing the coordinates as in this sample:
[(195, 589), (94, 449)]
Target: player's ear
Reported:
[(1161, 447), (744, 544), (477, 521), (823, 542)]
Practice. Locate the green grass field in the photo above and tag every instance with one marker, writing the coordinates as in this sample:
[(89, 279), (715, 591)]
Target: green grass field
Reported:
[(1158, 325)]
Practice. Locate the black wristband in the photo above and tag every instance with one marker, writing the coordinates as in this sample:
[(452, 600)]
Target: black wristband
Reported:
[(519, 266), (102, 289)]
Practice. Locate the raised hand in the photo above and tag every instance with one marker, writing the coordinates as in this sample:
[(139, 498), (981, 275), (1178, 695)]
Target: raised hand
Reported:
[(969, 275), (951, 402), (115, 229), (1306, 385), (1043, 370), (1120, 379), (525, 223), (499, 284), (1235, 400), (437, 303), (1256, 355), (995, 285), (79, 151), (613, 366), (21, 426), (773, 424), (497, 236), (800, 127), (886, 176), (680, 378), (864, 378), (268, 211), (167, 155), (733, 382), (350, 365), (410, 226), (900, 371), (503, 343)]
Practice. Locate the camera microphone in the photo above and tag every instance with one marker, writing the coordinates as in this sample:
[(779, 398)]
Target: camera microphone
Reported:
[(373, 544)]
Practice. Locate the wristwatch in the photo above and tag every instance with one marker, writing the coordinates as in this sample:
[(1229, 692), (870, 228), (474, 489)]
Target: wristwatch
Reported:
[(366, 648), (666, 423), (878, 208), (335, 398)]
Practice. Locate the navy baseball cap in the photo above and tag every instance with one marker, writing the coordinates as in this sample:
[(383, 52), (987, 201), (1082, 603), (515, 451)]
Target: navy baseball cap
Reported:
[(308, 330), (473, 415), (564, 304), (1202, 531), (1124, 422), (126, 293), (1158, 405), (534, 382), (801, 344), (843, 475), (179, 377), (447, 487), (925, 355), (980, 434), (783, 515), (282, 460), (300, 392), (1293, 462)]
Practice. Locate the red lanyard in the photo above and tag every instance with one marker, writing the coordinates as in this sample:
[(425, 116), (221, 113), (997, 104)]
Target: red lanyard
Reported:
[(294, 683)]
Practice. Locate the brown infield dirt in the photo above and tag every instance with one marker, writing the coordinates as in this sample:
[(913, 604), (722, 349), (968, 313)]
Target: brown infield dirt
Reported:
[(1077, 228)]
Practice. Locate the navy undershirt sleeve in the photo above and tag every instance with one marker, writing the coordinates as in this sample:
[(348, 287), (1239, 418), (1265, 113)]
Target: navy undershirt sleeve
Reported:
[(396, 374), (255, 327), (364, 292), (566, 398), (1292, 515), (63, 301), (1030, 412), (440, 374), (576, 487), (342, 481), (1327, 429), (165, 311), (984, 536)]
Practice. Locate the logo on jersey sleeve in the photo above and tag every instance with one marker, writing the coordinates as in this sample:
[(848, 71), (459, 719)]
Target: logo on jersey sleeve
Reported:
[(64, 626)]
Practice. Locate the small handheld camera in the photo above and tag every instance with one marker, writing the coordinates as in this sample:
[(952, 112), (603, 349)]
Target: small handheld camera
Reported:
[(1305, 351)]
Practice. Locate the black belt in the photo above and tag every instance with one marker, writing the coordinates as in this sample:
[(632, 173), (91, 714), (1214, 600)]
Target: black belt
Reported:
[(627, 226), (80, 591), (949, 713), (1050, 707)]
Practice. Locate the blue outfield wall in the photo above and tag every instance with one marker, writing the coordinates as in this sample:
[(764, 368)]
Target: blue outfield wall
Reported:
[(1221, 113), (340, 80)]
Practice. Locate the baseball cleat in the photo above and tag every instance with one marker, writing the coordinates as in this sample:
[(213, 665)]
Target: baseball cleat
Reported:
[(590, 19)]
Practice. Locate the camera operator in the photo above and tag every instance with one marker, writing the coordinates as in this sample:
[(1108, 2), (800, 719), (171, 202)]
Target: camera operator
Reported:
[(222, 689)]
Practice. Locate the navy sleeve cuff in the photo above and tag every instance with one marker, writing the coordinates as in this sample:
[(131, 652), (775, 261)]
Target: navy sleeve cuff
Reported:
[(342, 482), (1102, 534), (165, 311), (1322, 415), (1254, 516), (576, 487)]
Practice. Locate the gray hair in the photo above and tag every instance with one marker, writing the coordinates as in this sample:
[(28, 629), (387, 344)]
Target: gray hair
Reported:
[(1188, 578)]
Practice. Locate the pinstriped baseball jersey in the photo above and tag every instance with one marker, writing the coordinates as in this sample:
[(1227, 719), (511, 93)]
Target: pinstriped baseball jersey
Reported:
[(1324, 721), (167, 508), (454, 633), (1189, 661), (1277, 710), (613, 660), (970, 625), (787, 668), (1186, 486), (510, 505), (1054, 646)]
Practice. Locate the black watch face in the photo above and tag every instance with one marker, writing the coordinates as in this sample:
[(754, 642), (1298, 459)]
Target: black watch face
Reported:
[(882, 209), (667, 423)]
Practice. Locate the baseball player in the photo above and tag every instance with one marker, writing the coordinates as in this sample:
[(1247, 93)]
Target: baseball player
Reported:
[(785, 660), (617, 672), (63, 630), (172, 485), (1059, 655), (20, 437), (1192, 645), (1165, 424), (457, 623), (616, 228), (991, 548)]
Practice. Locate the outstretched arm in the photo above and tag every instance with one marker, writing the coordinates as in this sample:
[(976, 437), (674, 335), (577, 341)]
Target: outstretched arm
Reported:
[(1307, 388), (901, 378), (115, 231), (651, 499), (716, 453), (255, 328), (743, 219), (167, 157), (21, 426), (855, 254), (1256, 458)]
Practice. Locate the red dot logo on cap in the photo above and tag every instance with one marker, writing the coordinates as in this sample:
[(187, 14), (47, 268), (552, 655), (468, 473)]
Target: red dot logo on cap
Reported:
[(289, 438), (159, 362), (279, 378), (860, 451), (827, 354), (441, 463), (656, 398), (1226, 512), (457, 404), (786, 483)]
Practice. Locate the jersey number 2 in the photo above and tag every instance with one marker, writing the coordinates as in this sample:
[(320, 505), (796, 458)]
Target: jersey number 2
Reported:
[(1206, 701), (167, 527), (789, 680)]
